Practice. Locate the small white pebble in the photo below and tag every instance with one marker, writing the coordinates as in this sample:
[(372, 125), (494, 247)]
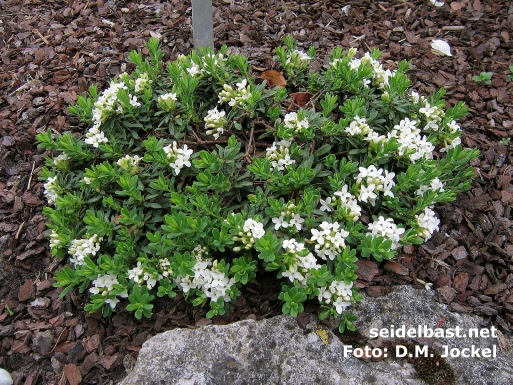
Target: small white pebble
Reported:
[(108, 22), (5, 377)]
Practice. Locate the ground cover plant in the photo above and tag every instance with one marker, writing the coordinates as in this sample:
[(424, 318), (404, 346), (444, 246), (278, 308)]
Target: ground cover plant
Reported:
[(196, 175)]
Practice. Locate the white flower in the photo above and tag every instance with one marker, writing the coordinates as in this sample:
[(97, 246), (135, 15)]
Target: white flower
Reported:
[(51, 187), (436, 3), (142, 82), (441, 47), (61, 161), (387, 229), (134, 102), (238, 98), (167, 101), (112, 302), (129, 163), (214, 122), (330, 241), (280, 222), (297, 221), (95, 137), (367, 193), (253, 228), (298, 59), (341, 305), (135, 272), (179, 156), (194, 70), (453, 127), (409, 138), (55, 240), (455, 142), (436, 184), (81, 248), (279, 155), (427, 223), (291, 120), (358, 126), (325, 204)]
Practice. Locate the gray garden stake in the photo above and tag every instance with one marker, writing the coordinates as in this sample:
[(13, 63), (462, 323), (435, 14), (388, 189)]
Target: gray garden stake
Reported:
[(202, 23)]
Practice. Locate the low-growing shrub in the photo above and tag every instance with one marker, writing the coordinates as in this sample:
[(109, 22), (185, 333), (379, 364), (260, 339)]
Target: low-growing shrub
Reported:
[(197, 176)]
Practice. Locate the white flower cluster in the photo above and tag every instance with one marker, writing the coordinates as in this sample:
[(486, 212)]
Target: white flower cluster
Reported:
[(350, 54), (133, 103), (372, 180), (330, 240), (104, 107), (358, 126), (432, 114), (199, 69), (288, 218), (238, 97), (250, 231), (167, 101), (453, 143), (106, 103), (291, 120), (379, 75), (55, 240), (51, 187), (416, 98), (345, 200), (179, 156), (435, 185), (61, 161), (208, 278), (214, 122), (298, 59), (454, 129), (279, 155), (81, 248), (104, 285), (129, 163), (142, 82), (387, 229), (337, 293), (165, 267), (428, 223), (301, 264), (409, 138), (195, 69), (95, 137), (142, 277)]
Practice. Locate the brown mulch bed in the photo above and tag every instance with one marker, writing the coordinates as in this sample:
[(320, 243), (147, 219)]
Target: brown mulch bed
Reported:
[(51, 51)]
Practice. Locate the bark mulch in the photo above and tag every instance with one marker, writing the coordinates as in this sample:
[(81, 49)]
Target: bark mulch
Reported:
[(51, 51)]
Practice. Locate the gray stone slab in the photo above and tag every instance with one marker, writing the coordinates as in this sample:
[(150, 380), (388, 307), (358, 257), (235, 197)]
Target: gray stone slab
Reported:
[(278, 351)]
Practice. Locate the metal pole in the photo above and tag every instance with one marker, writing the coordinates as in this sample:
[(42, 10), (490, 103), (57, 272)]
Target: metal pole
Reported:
[(202, 23)]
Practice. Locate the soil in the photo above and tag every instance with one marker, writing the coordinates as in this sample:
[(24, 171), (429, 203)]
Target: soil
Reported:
[(52, 51)]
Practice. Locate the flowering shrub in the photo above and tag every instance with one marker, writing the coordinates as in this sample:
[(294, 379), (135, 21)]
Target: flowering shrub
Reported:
[(196, 176)]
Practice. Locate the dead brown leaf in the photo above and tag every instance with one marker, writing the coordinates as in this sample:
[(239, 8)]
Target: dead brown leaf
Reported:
[(274, 78)]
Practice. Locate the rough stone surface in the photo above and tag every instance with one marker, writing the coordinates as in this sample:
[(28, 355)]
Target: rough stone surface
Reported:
[(278, 351)]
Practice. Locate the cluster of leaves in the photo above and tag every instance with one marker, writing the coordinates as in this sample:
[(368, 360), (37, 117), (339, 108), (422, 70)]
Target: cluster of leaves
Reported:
[(151, 218), (485, 77)]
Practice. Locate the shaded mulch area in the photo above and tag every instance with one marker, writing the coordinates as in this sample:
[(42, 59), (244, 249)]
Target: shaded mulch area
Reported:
[(51, 51)]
